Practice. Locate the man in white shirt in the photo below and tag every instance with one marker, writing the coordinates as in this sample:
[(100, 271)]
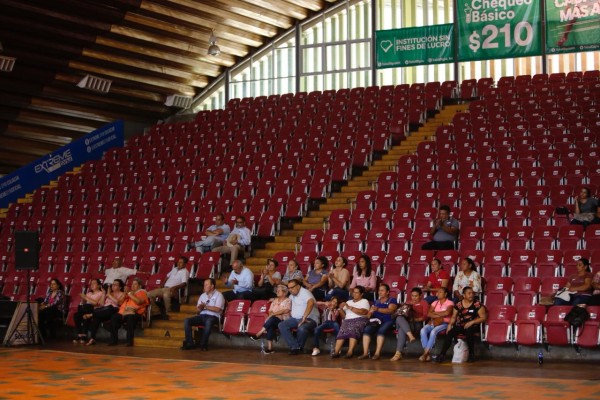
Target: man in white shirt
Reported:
[(304, 317), (210, 306), (117, 272), (216, 234), (176, 279), (237, 240), (242, 280)]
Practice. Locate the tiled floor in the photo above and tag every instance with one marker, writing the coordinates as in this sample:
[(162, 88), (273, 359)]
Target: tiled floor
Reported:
[(67, 372)]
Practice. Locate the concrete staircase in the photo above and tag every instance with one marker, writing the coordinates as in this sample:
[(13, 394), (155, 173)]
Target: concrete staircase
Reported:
[(170, 333)]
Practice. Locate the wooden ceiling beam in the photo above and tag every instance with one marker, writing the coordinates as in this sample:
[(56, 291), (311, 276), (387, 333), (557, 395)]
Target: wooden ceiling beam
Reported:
[(57, 121), (13, 160), (27, 146), (291, 10), (187, 90), (184, 32), (226, 28), (313, 5), (193, 64), (39, 133), (266, 14)]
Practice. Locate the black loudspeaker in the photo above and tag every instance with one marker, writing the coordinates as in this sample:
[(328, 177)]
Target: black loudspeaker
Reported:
[(27, 245)]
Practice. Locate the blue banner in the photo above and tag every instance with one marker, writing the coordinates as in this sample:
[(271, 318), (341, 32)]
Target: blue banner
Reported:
[(40, 172)]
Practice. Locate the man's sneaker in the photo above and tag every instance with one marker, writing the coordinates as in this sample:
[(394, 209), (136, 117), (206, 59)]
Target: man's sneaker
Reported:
[(316, 352)]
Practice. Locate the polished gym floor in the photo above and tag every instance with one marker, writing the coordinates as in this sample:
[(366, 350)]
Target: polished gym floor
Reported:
[(62, 370)]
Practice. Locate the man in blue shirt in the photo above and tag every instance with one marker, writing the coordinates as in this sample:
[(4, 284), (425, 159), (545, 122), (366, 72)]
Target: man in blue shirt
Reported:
[(237, 240), (215, 235), (242, 281), (444, 230)]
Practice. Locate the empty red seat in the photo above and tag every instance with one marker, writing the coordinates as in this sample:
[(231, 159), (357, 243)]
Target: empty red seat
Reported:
[(557, 330), (528, 325), (499, 325)]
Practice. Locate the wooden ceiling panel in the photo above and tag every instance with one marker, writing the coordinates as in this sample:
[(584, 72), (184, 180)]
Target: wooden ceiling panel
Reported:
[(149, 49)]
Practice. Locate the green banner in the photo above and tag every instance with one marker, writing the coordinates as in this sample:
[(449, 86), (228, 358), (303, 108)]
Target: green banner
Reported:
[(489, 29), (414, 46), (572, 25)]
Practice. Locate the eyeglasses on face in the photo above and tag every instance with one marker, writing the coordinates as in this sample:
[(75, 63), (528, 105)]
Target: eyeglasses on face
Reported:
[(291, 287)]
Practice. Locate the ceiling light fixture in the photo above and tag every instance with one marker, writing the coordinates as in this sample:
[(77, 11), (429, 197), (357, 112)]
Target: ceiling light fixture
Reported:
[(95, 83), (178, 101), (213, 49)]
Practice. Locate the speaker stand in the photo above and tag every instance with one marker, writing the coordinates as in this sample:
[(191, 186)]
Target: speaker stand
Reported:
[(29, 333)]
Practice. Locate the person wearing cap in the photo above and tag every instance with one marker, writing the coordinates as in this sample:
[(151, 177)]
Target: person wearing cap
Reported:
[(268, 281)]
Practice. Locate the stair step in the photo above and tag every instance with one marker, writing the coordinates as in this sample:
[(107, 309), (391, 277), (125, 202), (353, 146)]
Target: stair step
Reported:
[(312, 220), (331, 207), (285, 239), (336, 200), (303, 226), (158, 342), (321, 213)]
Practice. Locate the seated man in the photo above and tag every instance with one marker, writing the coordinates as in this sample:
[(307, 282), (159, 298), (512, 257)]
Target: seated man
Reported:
[(468, 314), (242, 280), (214, 236), (444, 230), (116, 272), (176, 279), (304, 317), (210, 306), (237, 239)]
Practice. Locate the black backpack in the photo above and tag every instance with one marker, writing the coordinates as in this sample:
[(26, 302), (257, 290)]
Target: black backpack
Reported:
[(577, 316)]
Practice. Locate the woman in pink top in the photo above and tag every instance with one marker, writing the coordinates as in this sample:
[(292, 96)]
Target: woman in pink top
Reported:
[(112, 301), (365, 277), (93, 299), (279, 311), (439, 314)]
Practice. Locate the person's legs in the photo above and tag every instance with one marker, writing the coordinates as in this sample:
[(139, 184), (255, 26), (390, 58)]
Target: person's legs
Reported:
[(115, 323), (433, 334), (78, 319), (187, 328), (470, 339), (235, 250), (304, 330), (229, 295), (449, 338), (403, 328), (425, 335), (270, 327), (285, 329), (366, 339), (99, 316), (152, 296), (319, 330), (208, 321), (166, 296), (131, 320), (351, 345), (383, 328)]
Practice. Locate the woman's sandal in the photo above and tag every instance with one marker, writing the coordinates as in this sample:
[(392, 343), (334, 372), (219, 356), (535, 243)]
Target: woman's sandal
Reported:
[(397, 356)]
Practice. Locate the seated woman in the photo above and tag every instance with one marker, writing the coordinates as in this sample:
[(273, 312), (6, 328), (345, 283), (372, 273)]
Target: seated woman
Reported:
[(365, 277), (292, 272), (579, 285), (467, 276), (354, 312), (381, 321), (112, 302), (437, 278), (52, 307), (467, 315), (439, 317), (278, 311), (339, 279), (585, 208), (331, 316), (595, 299), (131, 312), (316, 279), (93, 299), (269, 279), (406, 325)]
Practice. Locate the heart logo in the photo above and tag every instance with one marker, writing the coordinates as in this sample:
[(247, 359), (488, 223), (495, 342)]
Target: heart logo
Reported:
[(386, 45)]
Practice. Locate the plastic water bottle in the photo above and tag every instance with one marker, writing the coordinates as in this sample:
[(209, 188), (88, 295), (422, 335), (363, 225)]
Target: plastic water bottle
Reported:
[(540, 357), (331, 347), (262, 346)]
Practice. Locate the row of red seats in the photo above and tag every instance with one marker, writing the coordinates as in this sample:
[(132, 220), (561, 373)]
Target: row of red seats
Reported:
[(532, 325)]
